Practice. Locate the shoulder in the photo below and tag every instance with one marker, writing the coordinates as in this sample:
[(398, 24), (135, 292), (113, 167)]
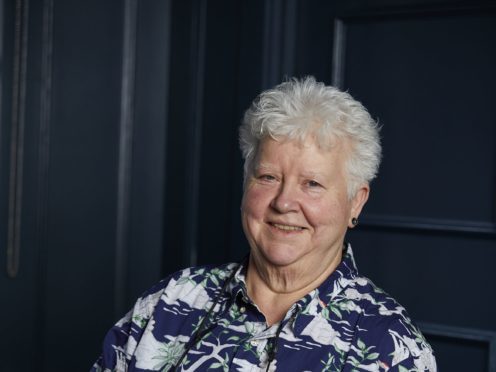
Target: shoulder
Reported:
[(394, 344), (385, 334), (372, 301), (195, 274), (197, 282), (178, 299), (165, 306)]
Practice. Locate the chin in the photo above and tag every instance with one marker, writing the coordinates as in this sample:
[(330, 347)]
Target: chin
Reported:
[(281, 257)]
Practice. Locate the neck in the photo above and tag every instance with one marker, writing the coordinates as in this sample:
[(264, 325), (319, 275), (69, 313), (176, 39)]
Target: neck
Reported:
[(274, 289)]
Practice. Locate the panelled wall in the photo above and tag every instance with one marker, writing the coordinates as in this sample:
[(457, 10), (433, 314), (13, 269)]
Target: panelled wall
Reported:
[(83, 127), (119, 161), (431, 219)]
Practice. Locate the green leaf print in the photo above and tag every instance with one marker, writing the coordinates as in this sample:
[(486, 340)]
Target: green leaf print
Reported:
[(224, 364), (329, 364), (168, 354), (360, 344), (373, 356)]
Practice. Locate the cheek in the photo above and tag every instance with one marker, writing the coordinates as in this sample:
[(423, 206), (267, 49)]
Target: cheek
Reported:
[(331, 213), (252, 214), (254, 203)]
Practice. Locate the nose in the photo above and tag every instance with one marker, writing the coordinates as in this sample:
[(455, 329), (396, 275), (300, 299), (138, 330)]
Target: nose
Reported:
[(285, 200)]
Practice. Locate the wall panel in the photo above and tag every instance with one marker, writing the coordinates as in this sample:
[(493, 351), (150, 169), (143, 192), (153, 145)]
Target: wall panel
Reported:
[(428, 233), (17, 268), (81, 215), (438, 278), (429, 82), (148, 168)]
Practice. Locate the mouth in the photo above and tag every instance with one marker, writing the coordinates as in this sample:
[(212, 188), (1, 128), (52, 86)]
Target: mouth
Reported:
[(284, 227)]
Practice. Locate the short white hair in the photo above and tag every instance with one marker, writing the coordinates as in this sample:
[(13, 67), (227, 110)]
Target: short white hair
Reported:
[(295, 109)]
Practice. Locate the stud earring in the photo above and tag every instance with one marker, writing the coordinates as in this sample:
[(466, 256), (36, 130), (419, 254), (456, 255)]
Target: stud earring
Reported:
[(354, 221)]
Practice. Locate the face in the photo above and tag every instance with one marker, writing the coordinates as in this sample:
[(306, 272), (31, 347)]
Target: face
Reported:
[(295, 206)]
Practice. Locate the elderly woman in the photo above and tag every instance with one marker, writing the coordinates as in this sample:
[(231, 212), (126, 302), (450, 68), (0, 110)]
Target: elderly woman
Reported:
[(297, 302)]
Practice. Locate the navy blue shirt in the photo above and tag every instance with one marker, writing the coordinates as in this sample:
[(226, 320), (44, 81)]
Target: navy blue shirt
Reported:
[(202, 319)]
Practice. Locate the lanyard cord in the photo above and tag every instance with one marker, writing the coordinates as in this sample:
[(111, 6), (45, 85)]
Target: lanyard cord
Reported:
[(273, 349), (204, 327)]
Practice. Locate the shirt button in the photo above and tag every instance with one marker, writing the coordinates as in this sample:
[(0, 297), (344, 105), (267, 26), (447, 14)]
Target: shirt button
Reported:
[(242, 309)]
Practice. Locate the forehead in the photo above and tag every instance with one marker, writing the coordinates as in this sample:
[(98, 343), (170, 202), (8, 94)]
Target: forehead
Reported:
[(302, 154)]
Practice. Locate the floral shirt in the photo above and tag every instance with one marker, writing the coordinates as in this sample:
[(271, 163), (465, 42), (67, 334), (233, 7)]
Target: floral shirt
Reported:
[(202, 319)]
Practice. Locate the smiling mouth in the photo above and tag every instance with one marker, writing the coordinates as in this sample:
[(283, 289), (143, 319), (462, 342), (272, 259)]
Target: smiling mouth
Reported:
[(286, 227)]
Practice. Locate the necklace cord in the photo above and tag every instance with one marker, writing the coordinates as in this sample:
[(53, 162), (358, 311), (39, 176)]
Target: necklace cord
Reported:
[(203, 329), (273, 350)]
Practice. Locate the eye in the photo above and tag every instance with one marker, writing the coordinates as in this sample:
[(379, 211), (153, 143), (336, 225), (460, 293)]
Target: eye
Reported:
[(313, 184), (266, 177)]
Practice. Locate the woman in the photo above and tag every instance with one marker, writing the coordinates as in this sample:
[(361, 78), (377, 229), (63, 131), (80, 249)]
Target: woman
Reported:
[(297, 303)]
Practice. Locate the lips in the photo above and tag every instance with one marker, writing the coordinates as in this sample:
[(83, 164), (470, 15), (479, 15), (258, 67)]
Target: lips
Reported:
[(285, 227)]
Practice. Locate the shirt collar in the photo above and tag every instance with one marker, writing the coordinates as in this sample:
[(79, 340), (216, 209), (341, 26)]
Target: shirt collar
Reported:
[(320, 299), (317, 300)]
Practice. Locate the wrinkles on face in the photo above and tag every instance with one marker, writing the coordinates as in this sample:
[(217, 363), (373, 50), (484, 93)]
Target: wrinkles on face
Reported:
[(295, 209)]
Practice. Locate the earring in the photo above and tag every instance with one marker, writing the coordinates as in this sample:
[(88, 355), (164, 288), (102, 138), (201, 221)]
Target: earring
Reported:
[(354, 221)]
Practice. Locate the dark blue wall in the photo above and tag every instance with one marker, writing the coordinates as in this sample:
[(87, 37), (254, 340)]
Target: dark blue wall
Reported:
[(119, 160)]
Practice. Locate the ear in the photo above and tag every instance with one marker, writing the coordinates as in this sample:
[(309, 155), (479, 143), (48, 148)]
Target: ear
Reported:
[(358, 201)]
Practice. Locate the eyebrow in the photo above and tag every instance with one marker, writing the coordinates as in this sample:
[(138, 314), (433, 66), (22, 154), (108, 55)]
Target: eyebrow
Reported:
[(259, 166), (306, 174), (313, 175)]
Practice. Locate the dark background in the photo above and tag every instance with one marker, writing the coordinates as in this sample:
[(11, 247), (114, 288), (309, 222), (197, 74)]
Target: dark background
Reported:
[(119, 161)]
